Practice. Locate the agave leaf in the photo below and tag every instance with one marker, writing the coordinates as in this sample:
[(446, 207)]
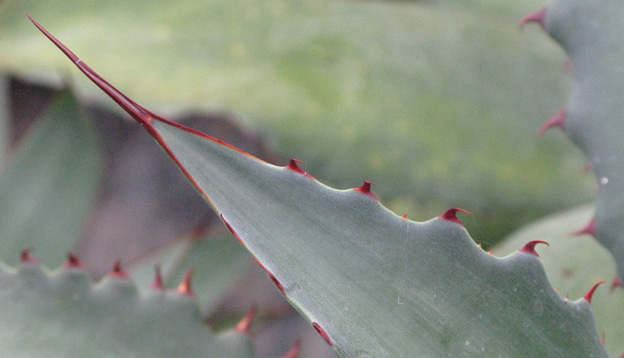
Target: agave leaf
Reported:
[(591, 34), (49, 185), (373, 284), (62, 314), (575, 262)]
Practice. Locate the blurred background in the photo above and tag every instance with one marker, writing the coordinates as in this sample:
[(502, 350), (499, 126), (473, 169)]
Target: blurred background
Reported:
[(437, 102)]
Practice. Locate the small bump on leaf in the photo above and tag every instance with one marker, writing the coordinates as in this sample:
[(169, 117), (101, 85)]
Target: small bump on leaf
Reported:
[(568, 65), (322, 332), (617, 282), (557, 121), (232, 230), (157, 285), (27, 257), (244, 326), (118, 271), (537, 17), (272, 277), (185, 288), (73, 261), (294, 352), (529, 248), (590, 229), (590, 294)]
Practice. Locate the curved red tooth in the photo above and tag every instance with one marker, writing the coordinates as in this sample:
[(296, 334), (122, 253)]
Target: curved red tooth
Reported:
[(73, 261), (557, 121), (588, 297), (322, 332), (451, 215), (538, 17), (118, 271), (294, 352), (295, 168), (185, 288), (366, 189), (590, 229), (529, 248), (158, 279), (27, 257), (244, 326)]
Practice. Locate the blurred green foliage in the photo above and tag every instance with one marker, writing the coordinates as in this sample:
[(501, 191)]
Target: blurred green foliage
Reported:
[(437, 102)]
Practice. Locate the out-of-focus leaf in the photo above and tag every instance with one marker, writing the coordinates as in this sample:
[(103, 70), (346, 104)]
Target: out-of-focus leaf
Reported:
[(49, 185), (62, 314), (422, 98), (574, 265), (216, 260), (4, 117)]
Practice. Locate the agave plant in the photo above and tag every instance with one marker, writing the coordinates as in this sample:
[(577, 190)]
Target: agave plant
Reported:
[(372, 283)]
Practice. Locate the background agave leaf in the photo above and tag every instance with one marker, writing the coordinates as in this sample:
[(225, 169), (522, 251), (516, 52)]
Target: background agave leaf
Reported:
[(215, 260), (422, 98), (63, 315), (49, 185)]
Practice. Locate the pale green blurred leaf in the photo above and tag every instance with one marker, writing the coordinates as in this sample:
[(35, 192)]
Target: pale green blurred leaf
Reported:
[(49, 185), (436, 102)]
